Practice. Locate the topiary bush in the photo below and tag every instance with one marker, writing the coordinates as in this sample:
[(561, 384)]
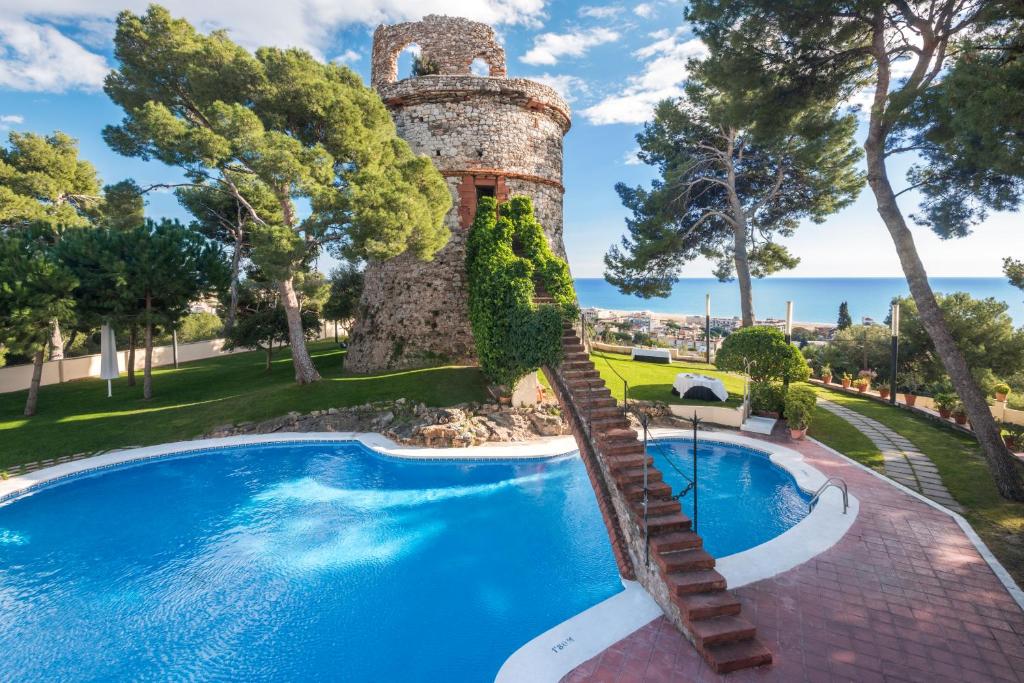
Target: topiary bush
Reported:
[(514, 337), (764, 354), (767, 397), (799, 404)]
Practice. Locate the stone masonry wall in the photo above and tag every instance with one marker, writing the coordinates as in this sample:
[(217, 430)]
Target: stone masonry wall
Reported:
[(489, 133)]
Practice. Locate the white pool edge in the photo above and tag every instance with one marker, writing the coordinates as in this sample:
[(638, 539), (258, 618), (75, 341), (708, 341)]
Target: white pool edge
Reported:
[(556, 652)]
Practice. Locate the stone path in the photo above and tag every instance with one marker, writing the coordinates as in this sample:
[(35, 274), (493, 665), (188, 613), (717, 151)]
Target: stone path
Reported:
[(903, 461)]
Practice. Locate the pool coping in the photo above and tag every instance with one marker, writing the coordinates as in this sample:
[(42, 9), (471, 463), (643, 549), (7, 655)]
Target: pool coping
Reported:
[(559, 650)]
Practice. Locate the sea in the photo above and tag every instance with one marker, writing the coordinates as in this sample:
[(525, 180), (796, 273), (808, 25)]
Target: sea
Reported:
[(815, 299)]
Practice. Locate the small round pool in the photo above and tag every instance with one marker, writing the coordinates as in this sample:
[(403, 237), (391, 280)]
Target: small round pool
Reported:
[(743, 499), (300, 561)]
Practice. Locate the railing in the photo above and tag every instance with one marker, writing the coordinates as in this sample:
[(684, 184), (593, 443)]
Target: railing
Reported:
[(831, 481)]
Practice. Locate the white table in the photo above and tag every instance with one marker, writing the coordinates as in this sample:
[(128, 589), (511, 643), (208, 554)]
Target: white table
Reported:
[(652, 355), (702, 387)]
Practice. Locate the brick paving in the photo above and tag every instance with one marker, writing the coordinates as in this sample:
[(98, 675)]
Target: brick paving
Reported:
[(904, 596), (902, 459)]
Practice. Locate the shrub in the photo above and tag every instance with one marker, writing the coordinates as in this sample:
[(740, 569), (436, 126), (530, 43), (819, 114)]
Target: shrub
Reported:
[(514, 337), (799, 403), (199, 327), (945, 401), (764, 354), (861, 382), (826, 370), (767, 397)]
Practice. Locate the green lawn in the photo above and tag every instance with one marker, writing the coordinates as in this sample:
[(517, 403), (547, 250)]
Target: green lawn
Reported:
[(999, 522), (653, 381), (78, 417)]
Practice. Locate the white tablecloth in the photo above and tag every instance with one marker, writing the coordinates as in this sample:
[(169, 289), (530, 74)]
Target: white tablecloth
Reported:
[(688, 380)]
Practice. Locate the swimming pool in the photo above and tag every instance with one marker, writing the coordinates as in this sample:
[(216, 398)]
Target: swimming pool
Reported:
[(298, 561), (326, 560), (743, 499)]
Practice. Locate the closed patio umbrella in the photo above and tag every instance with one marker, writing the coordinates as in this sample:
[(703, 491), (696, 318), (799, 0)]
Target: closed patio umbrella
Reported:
[(108, 356)]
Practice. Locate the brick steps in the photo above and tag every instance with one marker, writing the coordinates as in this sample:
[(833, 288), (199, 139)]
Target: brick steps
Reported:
[(711, 614)]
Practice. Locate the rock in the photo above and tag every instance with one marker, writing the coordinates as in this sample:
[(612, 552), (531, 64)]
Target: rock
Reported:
[(546, 425), (332, 411)]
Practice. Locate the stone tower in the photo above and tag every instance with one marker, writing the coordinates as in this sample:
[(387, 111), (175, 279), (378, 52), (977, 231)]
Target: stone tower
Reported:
[(489, 136)]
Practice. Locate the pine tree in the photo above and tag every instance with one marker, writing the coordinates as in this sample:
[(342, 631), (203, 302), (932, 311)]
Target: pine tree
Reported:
[(296, 129), (844, 316), (35, 290)]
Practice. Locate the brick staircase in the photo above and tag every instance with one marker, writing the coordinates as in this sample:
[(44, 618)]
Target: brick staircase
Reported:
[(709, 614)]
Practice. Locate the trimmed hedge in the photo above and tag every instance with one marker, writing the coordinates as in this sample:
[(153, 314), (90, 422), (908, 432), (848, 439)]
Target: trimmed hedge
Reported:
[(513, 337)]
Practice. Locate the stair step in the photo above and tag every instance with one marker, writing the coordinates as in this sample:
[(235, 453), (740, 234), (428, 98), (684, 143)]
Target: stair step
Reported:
[(603, 411), (658, 506), (594, 402), (685, 560), (575, 352), (735, 656), (655, 490), (604, 424), (706, 581), (579, 364), (635, 475), (679, 540), (615, 436), (696, 606), (663, 524), (586, 372), (720, 630), (623, 447), (624, 462)]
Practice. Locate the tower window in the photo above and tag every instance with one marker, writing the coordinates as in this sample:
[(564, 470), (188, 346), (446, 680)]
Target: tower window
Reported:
[(484, 191)]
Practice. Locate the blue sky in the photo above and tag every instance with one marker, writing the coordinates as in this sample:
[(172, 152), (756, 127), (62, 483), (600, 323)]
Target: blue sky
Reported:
[(611, 60)]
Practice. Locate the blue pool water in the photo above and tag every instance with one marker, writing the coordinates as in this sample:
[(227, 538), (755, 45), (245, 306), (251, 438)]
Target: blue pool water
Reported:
[(326, 561), (743, 499), (296, 562)]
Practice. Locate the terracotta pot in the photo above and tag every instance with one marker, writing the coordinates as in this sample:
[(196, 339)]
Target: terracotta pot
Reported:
[(884, 393), (846, 383), (862, 388), (1001, 397), (911, 399), (798, 434), (960, 418), (827, 379), (944, 413)]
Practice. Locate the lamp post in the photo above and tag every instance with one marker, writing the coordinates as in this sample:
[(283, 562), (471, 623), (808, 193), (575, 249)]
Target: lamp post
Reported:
[(789, 334), (894, 357), (707, 326)]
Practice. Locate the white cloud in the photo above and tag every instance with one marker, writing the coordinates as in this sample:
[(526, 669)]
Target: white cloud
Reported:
[(565, 85), (35, 55), (663, 76), (8, 120), (41, 58), (631, 157), (606, 12), (644, 10), (347, 57), (548, 47)]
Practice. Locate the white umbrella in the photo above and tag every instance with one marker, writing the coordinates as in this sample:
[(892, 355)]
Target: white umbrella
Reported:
[(108, 356)]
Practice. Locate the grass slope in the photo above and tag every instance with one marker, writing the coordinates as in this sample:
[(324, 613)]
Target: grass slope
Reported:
[(653, 381), (958, 458), (77, 416)]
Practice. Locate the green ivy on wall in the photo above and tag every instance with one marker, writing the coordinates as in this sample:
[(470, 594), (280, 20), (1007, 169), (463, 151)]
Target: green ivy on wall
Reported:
[(507, 260)]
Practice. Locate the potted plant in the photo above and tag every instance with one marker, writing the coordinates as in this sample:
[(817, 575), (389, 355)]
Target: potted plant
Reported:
[(910, 379), (960, 414), (846, 380), (862, 384), (883, 390), (799, 406), (826, 373), (1002, 391), (945, 403)]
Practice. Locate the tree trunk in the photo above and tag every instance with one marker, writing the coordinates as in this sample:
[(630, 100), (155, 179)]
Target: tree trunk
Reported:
[(132, 341), (743, 275), (236, 259), (305, 371), (56, 341), (71, 341), (270, 355), (147, 371), (1005, 468), (33, 387)]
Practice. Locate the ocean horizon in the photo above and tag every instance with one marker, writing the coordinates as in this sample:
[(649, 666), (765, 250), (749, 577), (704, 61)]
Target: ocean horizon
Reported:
[(815, 299)]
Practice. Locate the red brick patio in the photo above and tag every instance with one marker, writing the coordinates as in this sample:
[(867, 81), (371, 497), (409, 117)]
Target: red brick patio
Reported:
[(904, 596)]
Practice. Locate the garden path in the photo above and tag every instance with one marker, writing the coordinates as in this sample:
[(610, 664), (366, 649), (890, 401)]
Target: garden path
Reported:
[(903, 461)]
